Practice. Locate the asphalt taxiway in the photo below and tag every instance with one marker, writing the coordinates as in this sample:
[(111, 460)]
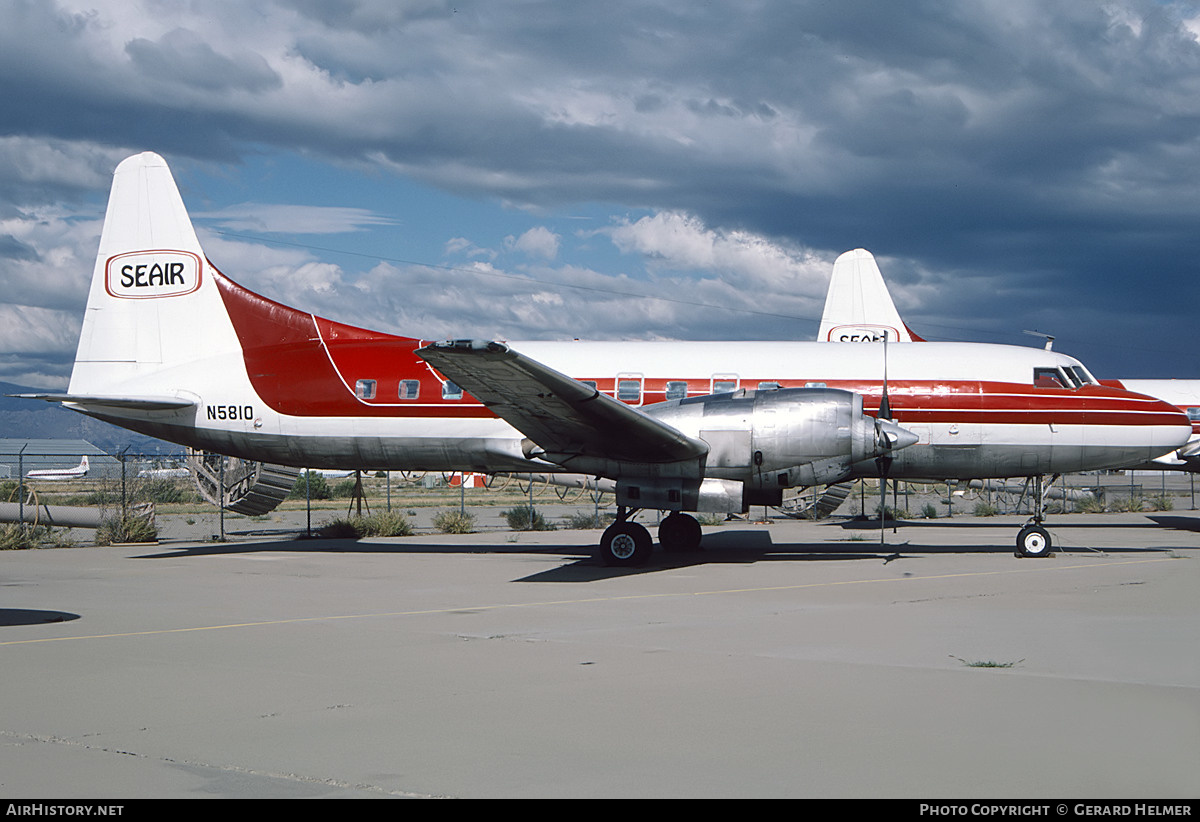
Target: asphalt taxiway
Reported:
[(786, 660)]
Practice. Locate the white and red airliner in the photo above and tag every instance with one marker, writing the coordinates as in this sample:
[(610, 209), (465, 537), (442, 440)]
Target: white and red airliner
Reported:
[(61, 473), (173, 348), (859, 308)]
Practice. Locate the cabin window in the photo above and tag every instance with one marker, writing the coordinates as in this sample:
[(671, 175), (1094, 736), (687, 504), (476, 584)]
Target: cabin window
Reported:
[(410, 389), (589, 383), (723, 384), (1193, 414), (815, 385), (769, 386), (629, 390), (677, 390), (365, 389), (1049, 378), (451, 391)]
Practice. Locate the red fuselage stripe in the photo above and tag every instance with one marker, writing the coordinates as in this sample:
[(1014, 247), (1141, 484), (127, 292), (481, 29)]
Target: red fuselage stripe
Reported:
[(307, 366)]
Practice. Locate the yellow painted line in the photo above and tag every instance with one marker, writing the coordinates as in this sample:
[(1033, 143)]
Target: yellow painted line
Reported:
[(586, 600)]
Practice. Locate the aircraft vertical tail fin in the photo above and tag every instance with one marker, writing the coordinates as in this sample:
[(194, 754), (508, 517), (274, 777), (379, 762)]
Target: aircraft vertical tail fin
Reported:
[(153, 305), (858, 306)]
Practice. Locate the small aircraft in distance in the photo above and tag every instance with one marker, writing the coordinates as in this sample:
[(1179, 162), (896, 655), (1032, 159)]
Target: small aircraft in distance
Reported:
[(61, 473), (164, 473), (859, 308), (332, 473), (173, 348)]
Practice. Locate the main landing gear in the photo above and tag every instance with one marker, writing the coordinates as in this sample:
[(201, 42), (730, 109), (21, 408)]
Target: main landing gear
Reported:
[(626, 543), (1033, 540)]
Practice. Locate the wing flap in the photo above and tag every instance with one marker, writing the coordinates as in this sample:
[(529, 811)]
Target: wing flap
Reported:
[(557, 413)]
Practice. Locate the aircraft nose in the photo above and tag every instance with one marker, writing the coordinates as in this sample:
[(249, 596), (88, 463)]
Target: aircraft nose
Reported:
[(894, 436)]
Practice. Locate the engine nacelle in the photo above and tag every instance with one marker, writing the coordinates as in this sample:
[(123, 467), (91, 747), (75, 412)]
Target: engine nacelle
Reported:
[(251, 488), (771, 440)]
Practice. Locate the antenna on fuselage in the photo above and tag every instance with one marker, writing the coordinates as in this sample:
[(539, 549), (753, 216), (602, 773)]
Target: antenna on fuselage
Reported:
[(1049, 338)]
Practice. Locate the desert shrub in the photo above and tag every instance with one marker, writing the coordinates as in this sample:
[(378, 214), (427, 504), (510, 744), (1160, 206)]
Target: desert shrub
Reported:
[(388, 524), (161, 489), (125, 528), (15, 538), (105, 497), (340, 528), (318, 488), (526, 518), (985, 509), (929, 511), (1161, 502), (1130, 504), (344, 489), (384, 524), (454, 522), (581, 521)]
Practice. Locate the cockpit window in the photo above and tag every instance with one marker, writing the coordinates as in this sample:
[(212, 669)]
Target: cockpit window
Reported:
[(1050, 378), (1085, 376)]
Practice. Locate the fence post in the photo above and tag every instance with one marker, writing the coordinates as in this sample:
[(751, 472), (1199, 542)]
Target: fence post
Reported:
[(221, 497), (124, 504), (21, 485)]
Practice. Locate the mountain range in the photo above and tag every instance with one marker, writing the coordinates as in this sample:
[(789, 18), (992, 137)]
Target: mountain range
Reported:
[(34, 419)]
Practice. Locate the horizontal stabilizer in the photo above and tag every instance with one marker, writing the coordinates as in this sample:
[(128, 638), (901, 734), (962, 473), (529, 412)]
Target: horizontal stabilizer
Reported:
[(135, 403)]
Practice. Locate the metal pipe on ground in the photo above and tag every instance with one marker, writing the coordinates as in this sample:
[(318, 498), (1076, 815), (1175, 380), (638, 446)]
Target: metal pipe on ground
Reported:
[(59, 516)]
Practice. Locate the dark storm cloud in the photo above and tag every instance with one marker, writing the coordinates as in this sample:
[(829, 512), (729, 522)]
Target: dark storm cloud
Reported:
[(180, 57), (1013, 159)]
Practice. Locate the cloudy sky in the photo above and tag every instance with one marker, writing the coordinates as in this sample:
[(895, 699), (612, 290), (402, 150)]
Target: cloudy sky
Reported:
[(644, 169)]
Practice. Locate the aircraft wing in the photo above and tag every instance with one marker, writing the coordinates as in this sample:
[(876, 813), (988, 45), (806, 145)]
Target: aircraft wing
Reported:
[(560, 415)]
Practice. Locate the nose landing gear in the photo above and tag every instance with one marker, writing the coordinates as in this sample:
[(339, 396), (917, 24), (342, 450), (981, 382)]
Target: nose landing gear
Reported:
[(1033, 540)]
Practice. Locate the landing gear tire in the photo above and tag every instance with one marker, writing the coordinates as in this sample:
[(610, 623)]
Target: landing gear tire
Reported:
[(625, 544), (680, 533), (1033, 541)]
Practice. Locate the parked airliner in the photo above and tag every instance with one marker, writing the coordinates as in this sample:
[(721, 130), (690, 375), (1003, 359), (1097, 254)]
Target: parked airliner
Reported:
[(858, 308), (173, 348), (61, 473)]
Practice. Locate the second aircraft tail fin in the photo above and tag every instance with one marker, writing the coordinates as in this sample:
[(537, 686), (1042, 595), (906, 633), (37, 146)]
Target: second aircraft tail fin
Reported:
[(858, 306)]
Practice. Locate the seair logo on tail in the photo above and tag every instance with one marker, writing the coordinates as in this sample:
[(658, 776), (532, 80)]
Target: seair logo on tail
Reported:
[(863, 333), (139, 275)]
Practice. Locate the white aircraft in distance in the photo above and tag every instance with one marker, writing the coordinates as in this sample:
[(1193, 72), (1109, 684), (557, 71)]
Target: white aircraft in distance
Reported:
[(332, 473), (164, 473), (859, 308), (1184, 395), (61, 473), (173, 348)]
